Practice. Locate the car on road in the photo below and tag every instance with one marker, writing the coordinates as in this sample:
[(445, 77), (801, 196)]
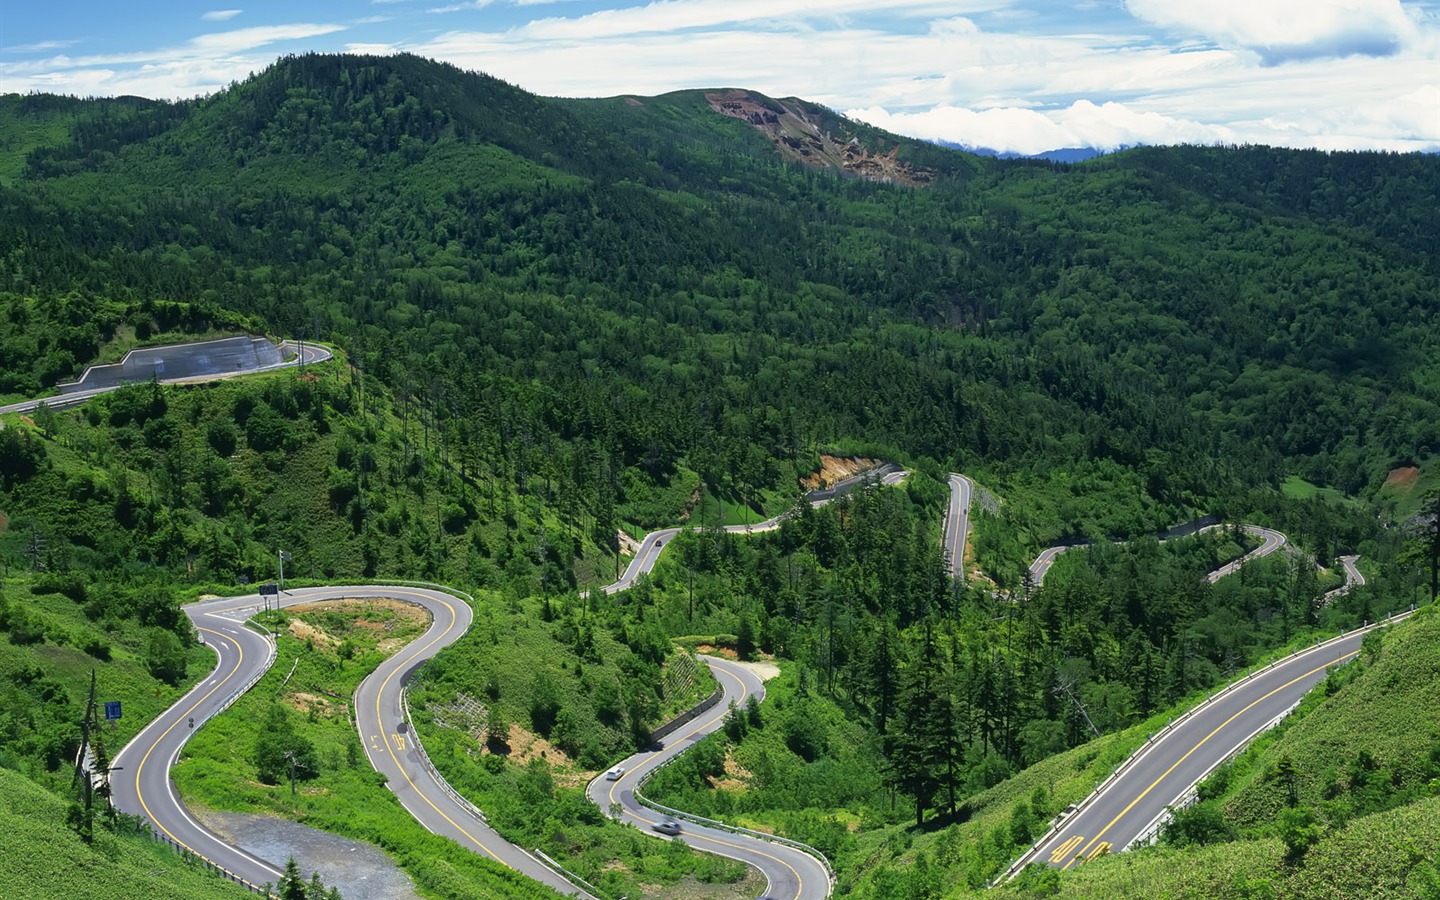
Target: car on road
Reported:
[(668, 826), (615, 774)]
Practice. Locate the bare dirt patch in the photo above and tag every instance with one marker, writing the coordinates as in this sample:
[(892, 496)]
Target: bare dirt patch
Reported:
[(306, 702), (525, 746), (764, 669), (1403, 479), (737, 777), (793, 127), (304, 631), (834, 468), (399, 613), (627, 543)]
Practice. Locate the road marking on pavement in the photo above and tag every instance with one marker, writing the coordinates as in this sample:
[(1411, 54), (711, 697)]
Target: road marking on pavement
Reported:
[(1059, 852), (1202, 743), (687, 738), (139, 768), (379, 717)]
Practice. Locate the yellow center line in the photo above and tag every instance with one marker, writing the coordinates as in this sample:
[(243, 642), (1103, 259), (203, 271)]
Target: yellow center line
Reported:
[(380, 721), (1197, 747), (155, 743), (744, 692)]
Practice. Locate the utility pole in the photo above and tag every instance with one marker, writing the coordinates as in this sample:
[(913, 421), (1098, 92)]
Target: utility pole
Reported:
[(1064, 685), (283, 556), (290, 755)]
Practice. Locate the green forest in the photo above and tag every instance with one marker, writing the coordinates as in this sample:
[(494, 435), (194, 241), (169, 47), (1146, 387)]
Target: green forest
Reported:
[(559, 324)]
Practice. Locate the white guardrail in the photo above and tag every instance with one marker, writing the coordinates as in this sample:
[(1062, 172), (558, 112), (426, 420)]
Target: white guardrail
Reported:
[(540, 857), (1152, 740), (185, 739), (726, 826)]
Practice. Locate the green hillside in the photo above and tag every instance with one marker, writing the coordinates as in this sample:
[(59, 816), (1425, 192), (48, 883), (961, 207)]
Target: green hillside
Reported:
[(44, 860), (1362, 757), (560, 320)]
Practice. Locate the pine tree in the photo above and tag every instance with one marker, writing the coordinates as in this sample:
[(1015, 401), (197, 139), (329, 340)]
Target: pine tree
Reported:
[(292, 884)]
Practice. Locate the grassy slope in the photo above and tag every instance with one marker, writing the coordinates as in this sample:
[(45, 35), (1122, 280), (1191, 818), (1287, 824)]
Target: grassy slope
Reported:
[(41, 859), (123, 677), (1390, 710), (346, 796)]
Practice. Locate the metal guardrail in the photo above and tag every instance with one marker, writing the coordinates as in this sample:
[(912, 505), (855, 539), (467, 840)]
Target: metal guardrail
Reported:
[(405, 700), (1150, 742), (726, 826), (576, 882), (563, 872), (1189, 795), (430, 766), (185, 739), (218, 869)]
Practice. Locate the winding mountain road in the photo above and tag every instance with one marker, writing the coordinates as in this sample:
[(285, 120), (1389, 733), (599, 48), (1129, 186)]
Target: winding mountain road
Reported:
[(243, 656), (1130, 806), (655, 542), (1353, 579), (792, 872)]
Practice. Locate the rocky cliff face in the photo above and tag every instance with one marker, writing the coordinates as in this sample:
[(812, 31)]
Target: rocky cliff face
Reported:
[(798, 137)]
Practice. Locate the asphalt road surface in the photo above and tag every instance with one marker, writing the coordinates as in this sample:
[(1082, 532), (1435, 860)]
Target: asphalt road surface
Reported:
[(188, 364), (1270, 541), (1130, 805), (654, 543), (793, 873), (142, 786), (957, 524), (1353, 579)]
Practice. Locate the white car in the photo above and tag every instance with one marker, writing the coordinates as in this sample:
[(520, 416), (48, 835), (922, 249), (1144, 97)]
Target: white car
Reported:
[(615, 774), (669, 826)]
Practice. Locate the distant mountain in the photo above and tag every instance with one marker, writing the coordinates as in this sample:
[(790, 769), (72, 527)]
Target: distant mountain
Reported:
[(1151, 296), (1064, 154)]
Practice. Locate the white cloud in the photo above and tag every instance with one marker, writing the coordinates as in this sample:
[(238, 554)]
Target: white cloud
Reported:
[(1106, 126), (1019, 75), (460, 7), (220, 15), (201, 65), (251, 38), (39, 47), (682, 15), (363, 49), (1281, 31)]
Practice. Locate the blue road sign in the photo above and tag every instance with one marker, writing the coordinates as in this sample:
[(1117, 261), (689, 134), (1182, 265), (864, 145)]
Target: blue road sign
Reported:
[(112, 709)]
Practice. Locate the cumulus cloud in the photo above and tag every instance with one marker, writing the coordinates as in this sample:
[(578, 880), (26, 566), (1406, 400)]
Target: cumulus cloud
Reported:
[(1104, 126), (220, 15), (1280, 31)]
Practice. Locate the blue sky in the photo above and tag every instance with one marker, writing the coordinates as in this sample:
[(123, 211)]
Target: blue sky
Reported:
[(1018, 75)]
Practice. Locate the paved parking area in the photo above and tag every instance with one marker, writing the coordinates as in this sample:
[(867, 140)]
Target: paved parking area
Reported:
[(198, 360)]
